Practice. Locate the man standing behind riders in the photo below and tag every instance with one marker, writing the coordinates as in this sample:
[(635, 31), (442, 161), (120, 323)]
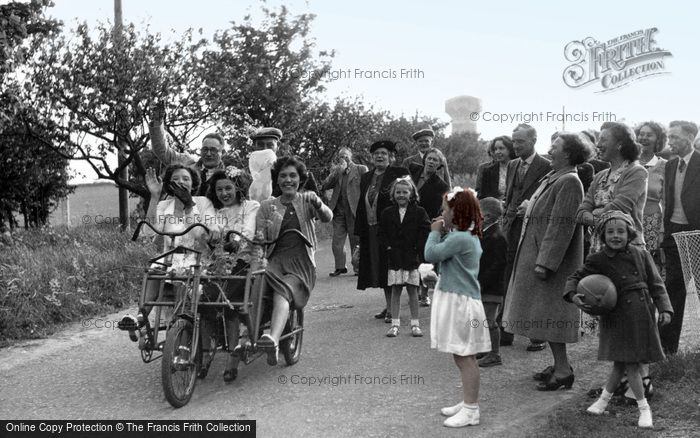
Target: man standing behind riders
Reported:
[(210, 152), (424, 141)]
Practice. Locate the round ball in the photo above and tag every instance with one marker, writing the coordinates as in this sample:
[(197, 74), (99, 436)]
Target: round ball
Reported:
[(599, 292)]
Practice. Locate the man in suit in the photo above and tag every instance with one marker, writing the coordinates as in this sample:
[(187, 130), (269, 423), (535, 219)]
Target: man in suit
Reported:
[(681, 213), (344, 179), (424, 141), (523, 178)]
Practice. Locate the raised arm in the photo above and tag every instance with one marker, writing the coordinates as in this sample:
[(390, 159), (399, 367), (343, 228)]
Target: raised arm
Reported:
[(166, 154)]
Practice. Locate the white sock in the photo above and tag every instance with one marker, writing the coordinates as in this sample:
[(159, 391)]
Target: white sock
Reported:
[(415, 322), (395, 321), (643, 404), (471, 405)]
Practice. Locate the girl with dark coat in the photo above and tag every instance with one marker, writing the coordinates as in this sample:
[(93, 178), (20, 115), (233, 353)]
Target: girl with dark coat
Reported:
[(403, 230)]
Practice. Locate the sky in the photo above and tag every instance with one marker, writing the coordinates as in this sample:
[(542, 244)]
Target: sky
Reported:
[(509, 54)]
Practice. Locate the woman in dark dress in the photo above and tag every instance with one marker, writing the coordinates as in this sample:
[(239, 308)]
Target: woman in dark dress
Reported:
[(428, 182), (492, 181), (291, 267), (374, 198)]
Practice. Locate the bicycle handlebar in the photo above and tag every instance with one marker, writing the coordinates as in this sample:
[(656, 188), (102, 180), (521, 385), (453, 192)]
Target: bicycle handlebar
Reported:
[(161, 233), (268, 242)]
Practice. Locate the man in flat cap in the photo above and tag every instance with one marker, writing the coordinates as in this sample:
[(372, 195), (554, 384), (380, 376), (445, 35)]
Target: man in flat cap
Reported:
[(424, 140), (208, 161), (268, 139)]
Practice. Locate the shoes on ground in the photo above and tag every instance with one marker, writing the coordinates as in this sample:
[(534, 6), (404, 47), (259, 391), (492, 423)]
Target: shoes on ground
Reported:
[(338, 272), (490, 360), (465, 417)]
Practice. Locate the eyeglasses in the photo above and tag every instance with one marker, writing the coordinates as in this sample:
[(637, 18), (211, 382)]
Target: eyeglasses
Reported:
[(206, 151)]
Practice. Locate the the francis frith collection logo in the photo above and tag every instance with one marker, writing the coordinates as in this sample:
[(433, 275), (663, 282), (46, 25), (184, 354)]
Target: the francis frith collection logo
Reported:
[(614, 63)]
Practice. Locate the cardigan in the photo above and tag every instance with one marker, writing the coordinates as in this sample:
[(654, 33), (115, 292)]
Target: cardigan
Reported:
[(629, 196), (271, 213), (458, 254)]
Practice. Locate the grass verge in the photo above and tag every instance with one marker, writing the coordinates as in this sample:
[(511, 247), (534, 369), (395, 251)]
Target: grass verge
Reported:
[(675, 407), (57, 275)]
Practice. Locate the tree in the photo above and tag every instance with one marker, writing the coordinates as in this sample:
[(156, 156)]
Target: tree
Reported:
[(267, 74), (464, 151), (98, 93), (32, 177)]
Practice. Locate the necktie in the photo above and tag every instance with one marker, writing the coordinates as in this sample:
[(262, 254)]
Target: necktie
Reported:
[(523, 170), (681, 166)]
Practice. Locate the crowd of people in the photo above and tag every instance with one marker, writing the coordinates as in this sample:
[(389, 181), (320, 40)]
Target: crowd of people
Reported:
[(511, 251)]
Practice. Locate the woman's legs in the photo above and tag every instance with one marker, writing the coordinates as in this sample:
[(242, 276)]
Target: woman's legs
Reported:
[(151, 294), (280, 313), (562, 367), (232, 326), (387, 297)]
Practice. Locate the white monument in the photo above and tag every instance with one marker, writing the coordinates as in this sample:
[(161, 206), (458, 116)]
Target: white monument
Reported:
[(460, 109)]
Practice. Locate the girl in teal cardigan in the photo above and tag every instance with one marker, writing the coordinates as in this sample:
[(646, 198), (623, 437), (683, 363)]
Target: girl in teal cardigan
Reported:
[(457, 319)]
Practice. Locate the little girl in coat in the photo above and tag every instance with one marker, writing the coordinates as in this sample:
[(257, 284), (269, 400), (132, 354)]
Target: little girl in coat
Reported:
[(628, 334), (403, 230)]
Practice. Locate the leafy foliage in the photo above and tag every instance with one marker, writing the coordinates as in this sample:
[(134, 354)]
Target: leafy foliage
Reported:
[(32, 177), (100, 92)]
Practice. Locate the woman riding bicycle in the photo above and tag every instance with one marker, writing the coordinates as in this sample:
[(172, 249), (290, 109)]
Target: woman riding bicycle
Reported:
[(228, 192), (291, 268), (177, 211)]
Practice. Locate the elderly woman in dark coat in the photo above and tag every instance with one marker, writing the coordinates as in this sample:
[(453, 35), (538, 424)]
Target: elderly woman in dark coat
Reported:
[(550, 249), (374, 198)]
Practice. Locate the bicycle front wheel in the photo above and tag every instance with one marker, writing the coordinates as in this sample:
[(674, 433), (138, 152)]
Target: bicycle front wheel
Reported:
[(180, 364)]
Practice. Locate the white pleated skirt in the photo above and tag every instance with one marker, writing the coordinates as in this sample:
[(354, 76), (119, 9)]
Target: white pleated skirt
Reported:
[(458, 324)]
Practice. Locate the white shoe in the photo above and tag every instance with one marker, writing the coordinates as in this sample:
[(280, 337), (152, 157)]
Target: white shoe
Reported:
[(465, 417), (645, 420), (597, 408), (448, 412)]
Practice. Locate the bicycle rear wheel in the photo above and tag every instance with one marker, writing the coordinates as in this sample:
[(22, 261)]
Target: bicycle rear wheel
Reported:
[(291, 347), (180, 364)]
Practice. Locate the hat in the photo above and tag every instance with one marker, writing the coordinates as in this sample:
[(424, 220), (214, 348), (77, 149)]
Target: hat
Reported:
[(267, 133), (427, 132), (386, 144), (614, 214)]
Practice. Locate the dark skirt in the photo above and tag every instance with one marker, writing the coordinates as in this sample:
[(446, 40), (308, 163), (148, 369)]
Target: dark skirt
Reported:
[(629, 333), (373, 268), (292, 276)]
